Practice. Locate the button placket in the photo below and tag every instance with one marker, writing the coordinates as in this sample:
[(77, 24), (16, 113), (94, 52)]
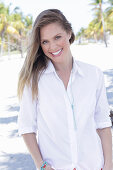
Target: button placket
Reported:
[(72, 124), (70, 117)]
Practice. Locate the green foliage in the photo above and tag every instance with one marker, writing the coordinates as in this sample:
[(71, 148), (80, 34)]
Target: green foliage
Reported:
[(102, 22), (13, 24)]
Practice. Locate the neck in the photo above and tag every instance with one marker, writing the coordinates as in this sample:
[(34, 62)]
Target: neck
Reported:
[(65, 66)]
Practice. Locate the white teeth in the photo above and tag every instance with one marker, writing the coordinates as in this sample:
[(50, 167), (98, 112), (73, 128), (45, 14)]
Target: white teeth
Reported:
[(56, 52)]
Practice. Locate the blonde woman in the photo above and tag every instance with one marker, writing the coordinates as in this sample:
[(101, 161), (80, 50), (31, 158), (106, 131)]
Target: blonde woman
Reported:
[(62, 101)]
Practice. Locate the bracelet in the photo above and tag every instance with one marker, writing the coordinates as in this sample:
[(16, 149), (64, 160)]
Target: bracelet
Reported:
[(44, 165)]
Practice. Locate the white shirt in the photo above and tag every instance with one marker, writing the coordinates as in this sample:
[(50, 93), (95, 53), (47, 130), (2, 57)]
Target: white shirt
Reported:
[(64, 144)]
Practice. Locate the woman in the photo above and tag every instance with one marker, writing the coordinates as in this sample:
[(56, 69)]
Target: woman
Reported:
[(64, 100)]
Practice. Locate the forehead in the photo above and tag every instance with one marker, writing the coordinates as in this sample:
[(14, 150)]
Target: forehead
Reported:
[(51, 30)]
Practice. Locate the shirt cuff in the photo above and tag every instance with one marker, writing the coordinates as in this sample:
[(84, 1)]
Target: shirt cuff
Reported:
[(101, 125), (25, 130)]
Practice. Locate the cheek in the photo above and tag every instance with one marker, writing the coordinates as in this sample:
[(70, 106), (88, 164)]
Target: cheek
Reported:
[(44, 49), (65, 42)]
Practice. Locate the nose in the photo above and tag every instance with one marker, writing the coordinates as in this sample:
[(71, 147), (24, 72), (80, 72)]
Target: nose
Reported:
[(52, 47)]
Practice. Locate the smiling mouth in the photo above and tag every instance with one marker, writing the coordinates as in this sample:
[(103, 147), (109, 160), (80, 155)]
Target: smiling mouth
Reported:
[(57, 53)]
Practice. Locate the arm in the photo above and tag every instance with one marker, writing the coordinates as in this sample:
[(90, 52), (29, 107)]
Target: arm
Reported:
[(32, 145), (106, 140), (27, 126)]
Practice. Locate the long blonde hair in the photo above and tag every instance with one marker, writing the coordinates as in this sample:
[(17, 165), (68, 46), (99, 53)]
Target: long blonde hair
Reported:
[(36, 61)]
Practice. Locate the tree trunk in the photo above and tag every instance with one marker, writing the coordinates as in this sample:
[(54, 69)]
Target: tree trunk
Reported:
[(2, 40), (21, 43), (21, 48), (2, 46), (8, 46), (103, 25), (95, 37)]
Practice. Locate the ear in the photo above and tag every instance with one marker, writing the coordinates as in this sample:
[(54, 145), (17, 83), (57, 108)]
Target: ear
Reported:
[(69, 34)]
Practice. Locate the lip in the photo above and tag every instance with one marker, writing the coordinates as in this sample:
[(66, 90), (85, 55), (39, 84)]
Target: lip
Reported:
[(58, 53)]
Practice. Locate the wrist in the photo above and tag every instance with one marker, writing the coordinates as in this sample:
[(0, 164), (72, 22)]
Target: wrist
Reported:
[(44, 165), (108, 166), (39, 164)]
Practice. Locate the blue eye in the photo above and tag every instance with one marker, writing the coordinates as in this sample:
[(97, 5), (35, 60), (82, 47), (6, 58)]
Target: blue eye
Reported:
[(57, 37), (44, 42)]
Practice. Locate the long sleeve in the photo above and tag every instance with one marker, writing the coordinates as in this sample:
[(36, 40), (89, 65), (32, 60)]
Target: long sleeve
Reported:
[(102, 110), (27, 118)]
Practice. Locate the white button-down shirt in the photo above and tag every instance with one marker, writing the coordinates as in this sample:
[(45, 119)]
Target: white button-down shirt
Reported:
[(67, 137)]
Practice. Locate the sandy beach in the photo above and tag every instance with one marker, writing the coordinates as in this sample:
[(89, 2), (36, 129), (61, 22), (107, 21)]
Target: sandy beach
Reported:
[(13, 152)]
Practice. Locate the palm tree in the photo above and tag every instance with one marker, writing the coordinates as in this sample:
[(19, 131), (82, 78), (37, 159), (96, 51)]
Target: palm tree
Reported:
[(99, 16), (22, 24), (80, 35), (12, 34), (6, 28), (4, 13), (92, 30), (109, 16), (14, 27), (28, 21), (18, 24)]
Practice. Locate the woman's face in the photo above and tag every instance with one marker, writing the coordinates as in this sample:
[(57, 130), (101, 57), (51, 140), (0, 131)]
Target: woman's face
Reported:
[(55, 42)]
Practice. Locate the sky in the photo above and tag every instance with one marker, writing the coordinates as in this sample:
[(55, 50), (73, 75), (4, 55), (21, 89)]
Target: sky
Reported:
[(78, 12)]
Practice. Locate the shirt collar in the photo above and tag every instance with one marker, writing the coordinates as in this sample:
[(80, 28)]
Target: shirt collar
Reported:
[(76, 67), (50, 67)]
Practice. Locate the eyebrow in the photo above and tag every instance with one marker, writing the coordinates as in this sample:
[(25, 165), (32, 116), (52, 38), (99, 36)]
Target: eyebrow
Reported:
[(54, 36)]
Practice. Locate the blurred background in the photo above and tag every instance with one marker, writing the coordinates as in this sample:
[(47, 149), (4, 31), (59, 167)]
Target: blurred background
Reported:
[(92, 22)]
